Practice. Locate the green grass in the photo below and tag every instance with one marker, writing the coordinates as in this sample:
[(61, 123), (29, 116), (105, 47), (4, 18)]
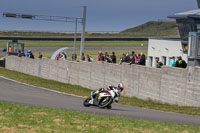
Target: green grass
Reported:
[(149, 29), (3, 43), (81, 91), (26, 119)]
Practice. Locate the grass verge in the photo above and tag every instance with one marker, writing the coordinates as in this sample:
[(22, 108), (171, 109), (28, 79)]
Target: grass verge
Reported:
[(26, 119), (3, 43), (78, 90), (19, 118)]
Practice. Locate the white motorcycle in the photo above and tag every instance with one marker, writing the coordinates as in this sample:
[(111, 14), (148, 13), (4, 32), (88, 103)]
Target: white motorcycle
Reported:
[(103, 99)]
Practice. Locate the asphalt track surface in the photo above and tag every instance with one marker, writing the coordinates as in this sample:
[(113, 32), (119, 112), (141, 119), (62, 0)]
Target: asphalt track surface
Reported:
[(15, 92)]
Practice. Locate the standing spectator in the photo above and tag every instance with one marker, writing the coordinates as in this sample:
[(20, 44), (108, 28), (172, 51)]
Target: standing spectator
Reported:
[(122, 58), (89, 58), (142, 59), (100, 56), (19, 54), (133, 53), (132, 59), (23, 54), (63, 56), (107, 57), (113, 57), (40, 55), (127, 58), (10, 49), (181, 63), (31, 55), (58, 57), (27, 54), (172, 62), (74, 56), (83, 57), (158, 63), (137, 59)]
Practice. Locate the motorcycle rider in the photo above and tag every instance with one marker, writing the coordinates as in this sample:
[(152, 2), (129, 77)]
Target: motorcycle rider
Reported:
[(117, 91)]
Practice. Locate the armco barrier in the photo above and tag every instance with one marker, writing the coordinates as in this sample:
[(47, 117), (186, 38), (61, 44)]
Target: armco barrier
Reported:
[(168, 85)]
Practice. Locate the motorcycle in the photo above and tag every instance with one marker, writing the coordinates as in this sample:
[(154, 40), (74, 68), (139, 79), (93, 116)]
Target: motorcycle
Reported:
[(103, 99)]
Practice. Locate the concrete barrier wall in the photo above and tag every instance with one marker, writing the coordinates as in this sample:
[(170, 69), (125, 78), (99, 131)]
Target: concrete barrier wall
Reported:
[(167, 85)]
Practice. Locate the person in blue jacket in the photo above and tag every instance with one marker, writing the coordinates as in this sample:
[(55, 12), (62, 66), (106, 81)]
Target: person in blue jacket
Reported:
[(172, 62)]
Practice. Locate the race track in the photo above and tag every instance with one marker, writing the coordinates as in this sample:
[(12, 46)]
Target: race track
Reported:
[(19, 93)]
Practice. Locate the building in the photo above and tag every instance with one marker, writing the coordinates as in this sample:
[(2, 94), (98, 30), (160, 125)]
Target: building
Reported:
[(164, 49), (188, 22)]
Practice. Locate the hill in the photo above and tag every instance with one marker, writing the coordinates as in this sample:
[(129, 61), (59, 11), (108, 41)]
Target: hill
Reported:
[(149, 29), (154, 28)]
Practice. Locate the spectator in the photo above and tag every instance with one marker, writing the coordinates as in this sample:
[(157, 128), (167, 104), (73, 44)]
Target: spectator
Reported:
[(63, 56), (58, 57), (19, 54), (122, 58), (132, 59), (158, 63), (31, 55), (40, 55), (137, 59), (142, 59), (74, 56), (10, 49), (23, 54), (113, 57), (27, 54), (89, 58), (99, 55), (83, 57), (181, 63), (107, 57), (172, 62), (133, 53), (127, 58)]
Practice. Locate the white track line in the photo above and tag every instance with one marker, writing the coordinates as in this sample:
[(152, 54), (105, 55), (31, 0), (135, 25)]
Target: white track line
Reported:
[(40, 87)]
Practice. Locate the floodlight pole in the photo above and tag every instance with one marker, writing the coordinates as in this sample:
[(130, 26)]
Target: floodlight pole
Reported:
[(75, 35), (60, 19), (83, 33)]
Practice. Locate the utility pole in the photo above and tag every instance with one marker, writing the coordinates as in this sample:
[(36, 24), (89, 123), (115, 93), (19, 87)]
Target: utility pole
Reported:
[(75, 36), (75, 20), (83, 32)]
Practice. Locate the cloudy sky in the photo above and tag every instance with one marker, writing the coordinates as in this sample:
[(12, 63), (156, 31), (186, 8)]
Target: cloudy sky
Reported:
[(102, 15)]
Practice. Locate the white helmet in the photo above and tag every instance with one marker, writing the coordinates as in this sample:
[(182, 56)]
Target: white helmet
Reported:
[(120, 87)]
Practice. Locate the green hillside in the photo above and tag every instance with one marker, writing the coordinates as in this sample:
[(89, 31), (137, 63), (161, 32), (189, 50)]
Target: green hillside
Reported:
[(149, 29), (154, 28)]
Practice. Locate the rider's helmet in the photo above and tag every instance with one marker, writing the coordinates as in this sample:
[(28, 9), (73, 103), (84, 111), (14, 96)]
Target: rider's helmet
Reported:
[(120, 87)]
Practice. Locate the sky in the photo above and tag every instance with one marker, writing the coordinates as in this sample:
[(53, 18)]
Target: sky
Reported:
[(102, 15)]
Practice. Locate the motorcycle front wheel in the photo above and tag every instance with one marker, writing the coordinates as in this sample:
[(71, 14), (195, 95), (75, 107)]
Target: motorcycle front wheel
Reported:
[(86, 102), (105, 101)]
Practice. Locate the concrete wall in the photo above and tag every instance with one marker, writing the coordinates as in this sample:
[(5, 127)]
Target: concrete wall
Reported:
[(167, 85)]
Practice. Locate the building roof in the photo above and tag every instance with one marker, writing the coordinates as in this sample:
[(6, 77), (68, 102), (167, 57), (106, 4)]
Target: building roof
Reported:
[(188, 14)]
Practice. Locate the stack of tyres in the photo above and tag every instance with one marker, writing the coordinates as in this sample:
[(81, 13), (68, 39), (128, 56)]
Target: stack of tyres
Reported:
[(2, 62)]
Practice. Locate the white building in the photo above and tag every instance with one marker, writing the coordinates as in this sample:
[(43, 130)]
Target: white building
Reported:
[(164, 49)]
